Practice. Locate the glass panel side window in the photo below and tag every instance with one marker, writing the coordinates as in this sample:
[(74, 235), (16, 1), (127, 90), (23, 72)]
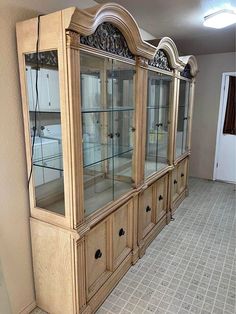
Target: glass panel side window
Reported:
[(42, 78), (183, 118), (158, 121), (107, 118)]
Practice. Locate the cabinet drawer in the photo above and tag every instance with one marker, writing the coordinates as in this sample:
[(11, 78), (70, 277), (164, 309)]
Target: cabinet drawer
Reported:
[(98, 256), (147, 211), (161, 197), (174, 184), (122, 233), (182, 175)]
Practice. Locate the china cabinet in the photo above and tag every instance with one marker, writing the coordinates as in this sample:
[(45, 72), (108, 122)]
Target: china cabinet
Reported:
[(107, 120)]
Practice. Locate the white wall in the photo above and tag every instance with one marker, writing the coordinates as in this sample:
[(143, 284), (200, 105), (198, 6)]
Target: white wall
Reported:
[(16, 279), (206, 110)]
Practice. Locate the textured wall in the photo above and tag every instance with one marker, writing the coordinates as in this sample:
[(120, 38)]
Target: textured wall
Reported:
[(16, 279), (206, 110)]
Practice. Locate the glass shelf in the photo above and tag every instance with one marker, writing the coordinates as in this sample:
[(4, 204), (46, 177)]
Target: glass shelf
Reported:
[(96, 150), (53, 162), (94, 110), (158, 107), (44, 112)]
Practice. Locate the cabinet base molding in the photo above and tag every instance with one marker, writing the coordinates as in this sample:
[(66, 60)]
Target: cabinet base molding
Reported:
[(109, 285), (178, 201), (28, 308), (152, 235), (135, 256), (168, 217)]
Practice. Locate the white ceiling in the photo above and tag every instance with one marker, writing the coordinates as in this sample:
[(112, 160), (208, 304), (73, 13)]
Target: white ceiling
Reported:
[(182, 21)]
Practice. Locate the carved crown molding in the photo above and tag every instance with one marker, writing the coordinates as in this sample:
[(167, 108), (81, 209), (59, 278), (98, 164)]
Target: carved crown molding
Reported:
[(107, 37), (192, 62), (143, 62), (167, 44), (72, 39), (85, 22), (160, 61)]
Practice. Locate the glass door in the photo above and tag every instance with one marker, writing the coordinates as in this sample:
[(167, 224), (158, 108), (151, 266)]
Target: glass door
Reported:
[(107, 118), (158, 121), (183, 119), (42, 78)]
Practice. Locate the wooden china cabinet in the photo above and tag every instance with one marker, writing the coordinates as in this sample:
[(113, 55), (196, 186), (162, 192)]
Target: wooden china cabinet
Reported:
[(107, 121)]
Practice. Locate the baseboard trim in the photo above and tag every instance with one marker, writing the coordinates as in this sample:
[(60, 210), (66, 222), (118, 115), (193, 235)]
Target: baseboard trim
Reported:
[(28, 308)]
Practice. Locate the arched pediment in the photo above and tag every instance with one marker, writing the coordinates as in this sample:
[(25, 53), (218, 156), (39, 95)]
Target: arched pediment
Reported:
[(86, 22), (168, 46), (191, 61)]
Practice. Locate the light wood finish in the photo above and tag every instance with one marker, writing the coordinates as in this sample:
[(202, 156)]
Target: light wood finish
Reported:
[(76, 161), (69, 278), (122, 233), (174, 184), (53, 268), (86, 21), (98, 247), (180, 188), (161, 197), (182, 175), (147, 211), (151, 236)]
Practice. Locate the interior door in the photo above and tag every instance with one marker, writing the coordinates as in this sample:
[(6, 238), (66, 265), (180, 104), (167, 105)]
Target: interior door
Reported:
[(225, 165)]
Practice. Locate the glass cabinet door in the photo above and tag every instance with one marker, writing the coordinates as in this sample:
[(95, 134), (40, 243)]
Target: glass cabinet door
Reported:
[(183, 118), (107, 103), (158, 121), (42, 79)]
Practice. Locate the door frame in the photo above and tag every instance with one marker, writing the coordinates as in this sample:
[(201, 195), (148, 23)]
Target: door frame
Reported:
[(222, 108)]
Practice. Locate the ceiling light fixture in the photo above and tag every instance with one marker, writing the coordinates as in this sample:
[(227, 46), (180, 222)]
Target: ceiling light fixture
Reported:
[(220, 19)]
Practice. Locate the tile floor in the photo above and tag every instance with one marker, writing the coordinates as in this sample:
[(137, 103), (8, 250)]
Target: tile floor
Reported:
[(190, 266)]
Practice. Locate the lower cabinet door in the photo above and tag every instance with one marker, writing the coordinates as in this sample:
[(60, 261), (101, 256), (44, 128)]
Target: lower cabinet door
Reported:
[(174, 185), (161, 197), (122, 233), (182, 175), (98, 256), (147, 211)]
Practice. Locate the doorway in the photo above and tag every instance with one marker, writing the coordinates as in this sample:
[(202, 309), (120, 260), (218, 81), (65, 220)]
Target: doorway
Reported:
[(225, 154)]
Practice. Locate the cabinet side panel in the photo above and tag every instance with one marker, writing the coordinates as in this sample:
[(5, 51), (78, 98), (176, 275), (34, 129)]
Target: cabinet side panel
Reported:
[(51, 248)]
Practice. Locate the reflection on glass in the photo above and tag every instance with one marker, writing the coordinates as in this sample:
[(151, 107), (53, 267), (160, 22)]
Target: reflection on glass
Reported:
[(107, 101), (183, 118), (45, 128), (158, 120)]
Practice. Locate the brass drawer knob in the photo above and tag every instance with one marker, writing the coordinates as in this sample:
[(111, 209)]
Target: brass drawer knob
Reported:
[(160, 197), (175, 181), (148, 209), (98, 254), (182, 175), (121, 232)]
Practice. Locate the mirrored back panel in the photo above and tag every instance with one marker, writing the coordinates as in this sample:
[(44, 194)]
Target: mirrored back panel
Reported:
[(42, 78), (107, 105), (158, 120)]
